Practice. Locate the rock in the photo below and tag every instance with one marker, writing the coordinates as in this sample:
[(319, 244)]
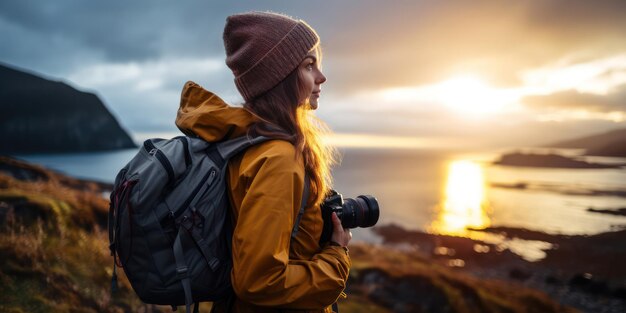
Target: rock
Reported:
[(552, 280), (580, 280), (587, 283), (519, 274), (619, 292)]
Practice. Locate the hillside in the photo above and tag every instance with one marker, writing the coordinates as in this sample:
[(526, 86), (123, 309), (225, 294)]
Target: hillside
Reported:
[(54, 247), (546, 160), (44, 116), (612, 143)]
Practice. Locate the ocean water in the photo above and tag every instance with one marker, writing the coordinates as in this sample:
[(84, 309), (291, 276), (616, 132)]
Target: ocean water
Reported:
[(445, 192)]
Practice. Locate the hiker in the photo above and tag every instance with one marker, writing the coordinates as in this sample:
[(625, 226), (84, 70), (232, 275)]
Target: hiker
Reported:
[(276, 63)]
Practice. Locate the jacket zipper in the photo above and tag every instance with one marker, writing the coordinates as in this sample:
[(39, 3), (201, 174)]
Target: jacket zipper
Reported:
[(207, 179)]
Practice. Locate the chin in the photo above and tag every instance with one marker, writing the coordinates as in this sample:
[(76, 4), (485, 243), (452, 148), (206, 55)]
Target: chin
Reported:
[(310, 104)]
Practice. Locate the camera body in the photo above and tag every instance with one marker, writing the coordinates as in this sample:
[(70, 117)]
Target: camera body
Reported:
[(363, 211)]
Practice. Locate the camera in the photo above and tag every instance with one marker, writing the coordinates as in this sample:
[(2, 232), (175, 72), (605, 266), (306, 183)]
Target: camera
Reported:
[(362, 211)]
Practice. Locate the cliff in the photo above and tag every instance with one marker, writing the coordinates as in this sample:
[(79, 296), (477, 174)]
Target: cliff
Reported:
[(44, 116)]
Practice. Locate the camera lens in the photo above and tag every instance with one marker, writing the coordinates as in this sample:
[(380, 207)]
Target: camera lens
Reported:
[(371, 218), (360, 212)]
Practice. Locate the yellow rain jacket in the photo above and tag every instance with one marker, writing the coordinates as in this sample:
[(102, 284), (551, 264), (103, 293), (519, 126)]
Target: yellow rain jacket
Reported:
[(270, 273)]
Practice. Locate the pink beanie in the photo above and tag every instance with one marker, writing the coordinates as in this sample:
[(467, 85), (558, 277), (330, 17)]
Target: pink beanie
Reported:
[(262, 48)]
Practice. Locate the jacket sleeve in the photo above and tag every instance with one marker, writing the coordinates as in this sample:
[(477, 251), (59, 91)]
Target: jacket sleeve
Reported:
[(262, 273)]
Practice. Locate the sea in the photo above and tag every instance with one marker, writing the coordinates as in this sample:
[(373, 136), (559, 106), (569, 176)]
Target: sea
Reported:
[(446, 192)]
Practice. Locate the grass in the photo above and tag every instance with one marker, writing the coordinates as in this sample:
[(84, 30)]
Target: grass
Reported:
[(55, 251)]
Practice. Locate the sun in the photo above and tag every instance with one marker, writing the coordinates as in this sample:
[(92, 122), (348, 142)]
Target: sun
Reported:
[(470, 94)]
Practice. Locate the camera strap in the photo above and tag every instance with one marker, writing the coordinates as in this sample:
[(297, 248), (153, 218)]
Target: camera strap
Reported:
[(305, 198)]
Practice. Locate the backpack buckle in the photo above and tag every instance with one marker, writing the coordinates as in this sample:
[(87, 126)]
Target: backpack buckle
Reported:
[(181, 272), (187, 222), (112, 248)]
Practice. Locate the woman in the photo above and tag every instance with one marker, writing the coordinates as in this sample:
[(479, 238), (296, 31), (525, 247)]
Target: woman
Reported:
[(275, 60)]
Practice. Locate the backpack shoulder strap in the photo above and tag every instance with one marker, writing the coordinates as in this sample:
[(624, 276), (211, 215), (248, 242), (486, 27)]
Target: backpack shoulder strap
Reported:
[(305, 197), (230, 148)]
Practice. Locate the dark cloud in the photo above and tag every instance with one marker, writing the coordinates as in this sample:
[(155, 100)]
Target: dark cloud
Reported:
[(118, 31), (572, 99), (368, 43)]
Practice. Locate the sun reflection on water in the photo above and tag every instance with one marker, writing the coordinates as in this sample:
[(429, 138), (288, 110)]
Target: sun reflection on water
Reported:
[(464, 203)]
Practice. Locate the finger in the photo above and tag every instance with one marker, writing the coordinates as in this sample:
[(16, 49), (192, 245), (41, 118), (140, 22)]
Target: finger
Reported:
[(337, 223)]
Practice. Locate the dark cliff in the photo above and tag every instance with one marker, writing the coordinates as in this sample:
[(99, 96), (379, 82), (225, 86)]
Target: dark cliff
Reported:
[(43, 116)]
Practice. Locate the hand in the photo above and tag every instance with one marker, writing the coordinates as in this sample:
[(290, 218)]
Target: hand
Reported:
[(340, 235)]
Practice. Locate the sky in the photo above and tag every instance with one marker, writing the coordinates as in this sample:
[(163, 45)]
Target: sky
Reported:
[(400, 73)]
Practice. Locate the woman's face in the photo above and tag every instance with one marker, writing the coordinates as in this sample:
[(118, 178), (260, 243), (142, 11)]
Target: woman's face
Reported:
[(311, 79)]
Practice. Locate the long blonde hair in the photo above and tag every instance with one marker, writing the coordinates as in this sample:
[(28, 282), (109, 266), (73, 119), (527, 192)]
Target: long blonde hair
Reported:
[(281, 114)]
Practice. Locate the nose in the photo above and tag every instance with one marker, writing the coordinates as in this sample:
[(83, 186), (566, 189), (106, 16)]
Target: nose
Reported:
[(320, 78)]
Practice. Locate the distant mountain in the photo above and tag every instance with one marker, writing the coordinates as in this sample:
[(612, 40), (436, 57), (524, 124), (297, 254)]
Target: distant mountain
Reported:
[(612, 143), (547, 160), (43, 116)]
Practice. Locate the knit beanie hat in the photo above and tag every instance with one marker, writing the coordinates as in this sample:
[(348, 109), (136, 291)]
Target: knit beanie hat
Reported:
[(262, 48)]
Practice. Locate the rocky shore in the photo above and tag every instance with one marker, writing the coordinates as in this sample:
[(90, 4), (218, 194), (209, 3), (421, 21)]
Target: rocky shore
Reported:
[(584, 272)]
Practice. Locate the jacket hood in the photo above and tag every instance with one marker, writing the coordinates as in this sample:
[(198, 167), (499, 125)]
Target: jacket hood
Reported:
[(205, 115)]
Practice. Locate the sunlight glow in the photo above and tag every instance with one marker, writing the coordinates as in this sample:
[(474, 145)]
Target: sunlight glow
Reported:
[(471, 96), (385, 142), (465, 94), (464, 200)]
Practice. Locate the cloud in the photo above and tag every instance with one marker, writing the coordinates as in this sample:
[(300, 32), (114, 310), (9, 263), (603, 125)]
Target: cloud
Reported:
[(415, 43), (148, 75), (597, 76), (129, 31), (121, 31), (575, 100), (137, 54), (146, 94), (368, 44)]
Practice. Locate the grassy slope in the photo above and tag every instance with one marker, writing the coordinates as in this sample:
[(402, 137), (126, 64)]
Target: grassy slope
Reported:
[(408, 282), (55, 258), (54, 249)]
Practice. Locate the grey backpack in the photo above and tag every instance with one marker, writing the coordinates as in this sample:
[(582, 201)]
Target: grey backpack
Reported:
[(169, 222)]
